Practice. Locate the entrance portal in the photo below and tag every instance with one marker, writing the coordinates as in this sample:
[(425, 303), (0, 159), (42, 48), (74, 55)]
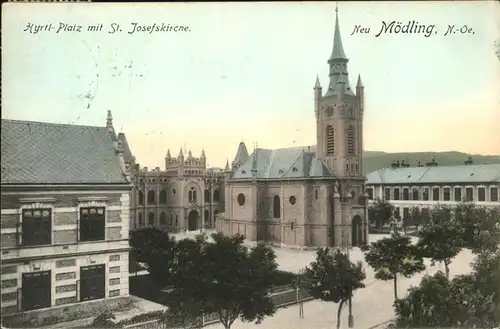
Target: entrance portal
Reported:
[(193, 220), (357, 231)]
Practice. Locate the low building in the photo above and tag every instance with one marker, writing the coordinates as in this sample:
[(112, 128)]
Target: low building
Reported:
[(64, 221), (428, 185)]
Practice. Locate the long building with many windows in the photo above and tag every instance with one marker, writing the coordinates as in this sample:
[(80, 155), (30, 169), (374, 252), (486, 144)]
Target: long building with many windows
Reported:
[(431, 184), (64, 221)]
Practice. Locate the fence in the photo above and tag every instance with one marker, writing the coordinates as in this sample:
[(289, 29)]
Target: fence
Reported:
[(279, 299)]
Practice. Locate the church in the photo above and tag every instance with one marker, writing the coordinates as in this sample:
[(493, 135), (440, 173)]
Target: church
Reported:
[(310, 196)]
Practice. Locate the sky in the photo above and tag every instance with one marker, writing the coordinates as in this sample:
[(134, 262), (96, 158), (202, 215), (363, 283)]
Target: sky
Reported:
[(246, 71)]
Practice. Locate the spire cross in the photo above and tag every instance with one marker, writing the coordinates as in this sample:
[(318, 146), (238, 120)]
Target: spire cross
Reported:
[(336, 7)]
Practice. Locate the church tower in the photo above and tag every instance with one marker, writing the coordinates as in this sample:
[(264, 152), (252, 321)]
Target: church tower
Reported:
[(339, 115)]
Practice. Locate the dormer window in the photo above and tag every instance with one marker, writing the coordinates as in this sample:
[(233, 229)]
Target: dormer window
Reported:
[(243, 172), (280, 171), (294, 169)]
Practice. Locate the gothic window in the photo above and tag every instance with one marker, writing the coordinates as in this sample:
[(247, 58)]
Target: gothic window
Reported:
[(141, 198), (163, 218), (163, 196), (330, 140), (151, 197), (171, 221), (207, 196), (140, 220), (192, 195), (350, 140), (276, 207), (216, 196)]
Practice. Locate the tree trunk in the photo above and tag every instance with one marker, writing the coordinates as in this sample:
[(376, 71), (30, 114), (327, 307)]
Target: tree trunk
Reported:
[(447, 268), (339, 311), (395, 282)]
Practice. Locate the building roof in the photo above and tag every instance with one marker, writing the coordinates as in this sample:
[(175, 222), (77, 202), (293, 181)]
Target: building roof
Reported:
[(48, 153), (439, 174), (127, 154), (285, 163), (241, 155)]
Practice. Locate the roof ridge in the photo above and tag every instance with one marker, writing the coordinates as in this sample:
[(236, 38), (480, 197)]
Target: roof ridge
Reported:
[(41, 123)]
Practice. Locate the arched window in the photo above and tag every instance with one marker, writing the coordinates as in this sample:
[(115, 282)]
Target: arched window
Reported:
[(216, 196), (171, 221), (163, 218), (141, 224), (207, 217), (151, 197), (276, 207), (163, 196), (330, 140), (350, 140), (207, 196), (141, 198), (151, 219), (192, 195)]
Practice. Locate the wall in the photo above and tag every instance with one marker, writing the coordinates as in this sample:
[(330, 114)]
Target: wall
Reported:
[(65, 255)]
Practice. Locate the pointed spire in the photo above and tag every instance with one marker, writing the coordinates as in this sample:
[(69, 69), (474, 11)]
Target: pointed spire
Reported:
[(181, 155), (168, 156), (317, 85), (360, 83), (190, 155), (109, 120), (254, 160), (203, 153), (227, 165), (338, 49)]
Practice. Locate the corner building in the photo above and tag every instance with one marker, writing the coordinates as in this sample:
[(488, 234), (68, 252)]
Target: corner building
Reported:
[(306, 196), (65, 221)]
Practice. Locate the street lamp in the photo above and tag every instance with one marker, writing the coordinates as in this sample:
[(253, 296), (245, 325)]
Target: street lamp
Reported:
[(345, 243)]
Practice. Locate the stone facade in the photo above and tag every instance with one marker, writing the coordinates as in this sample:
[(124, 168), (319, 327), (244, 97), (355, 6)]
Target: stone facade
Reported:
[(51, 207), (184, 196), (306, 196)]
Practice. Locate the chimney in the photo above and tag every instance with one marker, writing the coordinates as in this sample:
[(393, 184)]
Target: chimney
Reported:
[(432, 163), (394, 165), (404, 164), (469, 161)]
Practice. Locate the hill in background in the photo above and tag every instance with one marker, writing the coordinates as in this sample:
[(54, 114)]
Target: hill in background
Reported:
[(376, 160)]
